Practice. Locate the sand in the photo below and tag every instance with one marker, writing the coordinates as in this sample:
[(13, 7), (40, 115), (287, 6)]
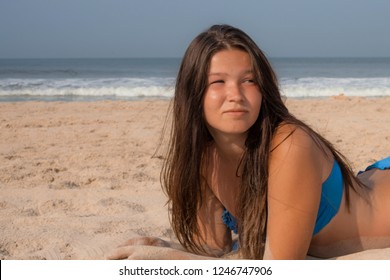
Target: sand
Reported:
[(79, 178)]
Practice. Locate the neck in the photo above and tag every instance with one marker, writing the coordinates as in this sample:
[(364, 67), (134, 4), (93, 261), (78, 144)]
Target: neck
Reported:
[(230, 147)]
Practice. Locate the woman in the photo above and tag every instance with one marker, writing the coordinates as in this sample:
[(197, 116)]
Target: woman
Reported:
[(239, 161)]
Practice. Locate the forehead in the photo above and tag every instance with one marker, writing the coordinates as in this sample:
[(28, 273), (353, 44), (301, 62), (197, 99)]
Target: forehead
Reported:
[(230, 59)]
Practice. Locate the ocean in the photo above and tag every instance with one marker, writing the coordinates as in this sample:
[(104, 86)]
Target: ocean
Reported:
[(139, 78)]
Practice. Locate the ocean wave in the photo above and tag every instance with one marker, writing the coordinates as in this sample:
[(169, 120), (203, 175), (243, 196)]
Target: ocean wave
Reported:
[(164, 87), (121, 87), (38, 73), (323, 87), (302, 92)]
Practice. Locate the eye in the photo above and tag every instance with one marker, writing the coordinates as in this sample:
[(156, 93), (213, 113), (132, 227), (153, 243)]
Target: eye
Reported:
[(217, 82), (249, 81)]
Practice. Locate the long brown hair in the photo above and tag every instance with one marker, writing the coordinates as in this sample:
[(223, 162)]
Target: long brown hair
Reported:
[(182, 177)]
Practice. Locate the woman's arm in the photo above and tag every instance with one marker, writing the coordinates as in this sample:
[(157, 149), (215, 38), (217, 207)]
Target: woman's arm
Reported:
[(294, 192), (214, 237), (151, 252)]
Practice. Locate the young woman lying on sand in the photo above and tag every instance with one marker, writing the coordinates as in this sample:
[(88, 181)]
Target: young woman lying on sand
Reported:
[(239, 161)]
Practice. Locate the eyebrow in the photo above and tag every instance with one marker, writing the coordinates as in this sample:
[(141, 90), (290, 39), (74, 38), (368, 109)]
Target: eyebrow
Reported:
[(249, 71)]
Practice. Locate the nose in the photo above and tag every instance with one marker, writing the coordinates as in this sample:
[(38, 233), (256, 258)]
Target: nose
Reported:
[(234, 93)]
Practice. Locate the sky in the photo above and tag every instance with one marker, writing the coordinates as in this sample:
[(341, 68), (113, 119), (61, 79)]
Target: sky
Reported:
[(164, 28)]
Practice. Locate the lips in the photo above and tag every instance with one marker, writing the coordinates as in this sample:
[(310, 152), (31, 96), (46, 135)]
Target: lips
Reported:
[(236, 111)]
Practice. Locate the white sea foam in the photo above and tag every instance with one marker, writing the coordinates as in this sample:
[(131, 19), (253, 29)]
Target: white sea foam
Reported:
[(70, 79), (323, 87), (120, 87), (164, 87)]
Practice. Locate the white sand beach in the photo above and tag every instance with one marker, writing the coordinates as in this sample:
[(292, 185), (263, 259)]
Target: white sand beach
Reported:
[(79, 178)]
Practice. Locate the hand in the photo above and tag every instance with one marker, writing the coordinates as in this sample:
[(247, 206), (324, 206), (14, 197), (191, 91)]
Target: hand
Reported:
[(142, 252), (147, 241), (150, 248), (137, 248)]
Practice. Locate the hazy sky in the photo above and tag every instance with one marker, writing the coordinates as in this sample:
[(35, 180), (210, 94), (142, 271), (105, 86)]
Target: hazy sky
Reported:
[(164, 28)]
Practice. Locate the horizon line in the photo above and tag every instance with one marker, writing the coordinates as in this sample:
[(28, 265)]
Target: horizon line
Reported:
[(180, 57)]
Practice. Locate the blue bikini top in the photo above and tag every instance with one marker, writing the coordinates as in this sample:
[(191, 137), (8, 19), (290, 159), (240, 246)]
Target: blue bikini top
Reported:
[(331, 195)]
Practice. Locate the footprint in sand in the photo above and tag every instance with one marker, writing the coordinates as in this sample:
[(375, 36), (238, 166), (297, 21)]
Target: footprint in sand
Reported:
[(54, 206), (115, 205)]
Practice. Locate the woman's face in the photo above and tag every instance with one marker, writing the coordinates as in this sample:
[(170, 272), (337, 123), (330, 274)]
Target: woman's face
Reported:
[(231, 103)]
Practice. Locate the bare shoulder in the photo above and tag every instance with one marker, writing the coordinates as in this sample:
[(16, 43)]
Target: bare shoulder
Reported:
[(291, 142), (294, 191), (289, 133), (296, 160)]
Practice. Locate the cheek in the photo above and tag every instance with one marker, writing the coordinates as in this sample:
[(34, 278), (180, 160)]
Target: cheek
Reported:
[(211, 103), (208, 112), (256, 103), (213, 98)]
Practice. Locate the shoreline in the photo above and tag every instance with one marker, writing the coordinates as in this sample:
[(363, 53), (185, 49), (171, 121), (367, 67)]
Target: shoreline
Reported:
[(79, 98), (79, 178)]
